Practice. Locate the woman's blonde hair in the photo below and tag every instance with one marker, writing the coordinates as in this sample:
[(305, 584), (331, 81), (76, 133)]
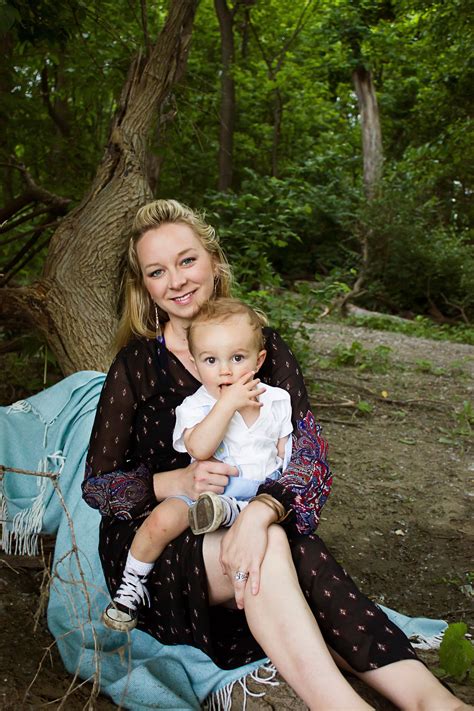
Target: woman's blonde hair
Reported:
[(220, 310), (139, 314)]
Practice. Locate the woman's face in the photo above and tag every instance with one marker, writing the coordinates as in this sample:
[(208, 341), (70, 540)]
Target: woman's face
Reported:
[(178, 272)]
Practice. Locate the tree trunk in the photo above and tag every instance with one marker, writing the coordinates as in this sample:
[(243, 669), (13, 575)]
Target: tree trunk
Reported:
[(277, 119), (371, 131), (373, 164), (74, 305), (227, 110)]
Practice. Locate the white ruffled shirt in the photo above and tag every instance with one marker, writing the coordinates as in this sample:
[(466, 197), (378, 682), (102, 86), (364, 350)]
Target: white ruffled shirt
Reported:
[(253, 449)]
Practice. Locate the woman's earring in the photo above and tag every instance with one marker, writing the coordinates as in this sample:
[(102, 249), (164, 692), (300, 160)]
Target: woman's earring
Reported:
[(216, 283), (159, 335)]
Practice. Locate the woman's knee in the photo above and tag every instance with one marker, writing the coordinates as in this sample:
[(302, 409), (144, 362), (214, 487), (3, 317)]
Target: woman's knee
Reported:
[(220, 588), (278, 541)]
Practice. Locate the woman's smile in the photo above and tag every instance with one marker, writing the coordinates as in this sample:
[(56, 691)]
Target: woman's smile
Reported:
[(185, 298), (177, 271)]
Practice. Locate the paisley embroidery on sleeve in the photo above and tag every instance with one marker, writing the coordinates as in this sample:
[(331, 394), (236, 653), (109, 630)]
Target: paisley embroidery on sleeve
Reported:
[(307, 476), (118, 493)]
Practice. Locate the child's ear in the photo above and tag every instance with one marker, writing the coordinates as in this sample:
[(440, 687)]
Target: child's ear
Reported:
[(260, 358)]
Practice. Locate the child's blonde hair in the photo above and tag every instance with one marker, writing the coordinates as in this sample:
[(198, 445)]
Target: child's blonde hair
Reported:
[(217, 310)]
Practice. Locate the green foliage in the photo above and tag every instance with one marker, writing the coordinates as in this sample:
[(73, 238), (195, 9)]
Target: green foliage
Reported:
[(376, 360), (420, 326), (436, 261), (287, 316), (465, 418), (364, 407), (456, 653), (64, 70), (297, 208), (426, 366)]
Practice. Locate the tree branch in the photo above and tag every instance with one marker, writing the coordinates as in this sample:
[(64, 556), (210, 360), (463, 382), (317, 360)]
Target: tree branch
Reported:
[(33, 193), (21, 304), (15, 206), (8, 226), (21, 257), (146, 36), (56, 116), (40, 194), (21, 235), (280, 55)]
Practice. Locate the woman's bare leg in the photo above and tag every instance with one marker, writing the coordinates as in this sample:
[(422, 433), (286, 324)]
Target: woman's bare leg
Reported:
[(408, 684), (412, 687), (284, 626)]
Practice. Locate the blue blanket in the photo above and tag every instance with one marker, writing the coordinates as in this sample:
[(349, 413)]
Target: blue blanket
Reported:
[(50, 432)]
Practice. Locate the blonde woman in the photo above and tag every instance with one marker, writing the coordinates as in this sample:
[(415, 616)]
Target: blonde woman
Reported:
[(266, 586)]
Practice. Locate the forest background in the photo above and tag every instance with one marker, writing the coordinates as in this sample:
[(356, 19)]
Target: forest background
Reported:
[(330, 143)]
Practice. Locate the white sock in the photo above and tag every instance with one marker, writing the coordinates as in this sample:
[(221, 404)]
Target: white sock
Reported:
[(232, 508), (137, 566)]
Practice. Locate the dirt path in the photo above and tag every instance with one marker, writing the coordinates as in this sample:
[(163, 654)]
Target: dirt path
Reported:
[(399, 518)]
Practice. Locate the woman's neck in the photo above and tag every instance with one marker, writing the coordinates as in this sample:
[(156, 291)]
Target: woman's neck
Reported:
[(175, 334), (176, 340)]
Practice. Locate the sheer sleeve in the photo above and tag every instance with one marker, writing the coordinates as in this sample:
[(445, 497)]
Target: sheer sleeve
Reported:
[(112, 484), (305, 484)]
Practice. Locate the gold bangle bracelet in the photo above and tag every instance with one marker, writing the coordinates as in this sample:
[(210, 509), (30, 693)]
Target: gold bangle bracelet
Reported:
[(275, 505)]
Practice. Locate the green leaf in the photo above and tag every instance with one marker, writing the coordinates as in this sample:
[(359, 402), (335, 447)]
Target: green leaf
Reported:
[(364, 406), (456, 653)]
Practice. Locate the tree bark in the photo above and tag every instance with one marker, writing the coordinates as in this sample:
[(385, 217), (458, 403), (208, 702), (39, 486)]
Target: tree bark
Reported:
[(75, 304), (227, 110), (372, 170), (371, 131)]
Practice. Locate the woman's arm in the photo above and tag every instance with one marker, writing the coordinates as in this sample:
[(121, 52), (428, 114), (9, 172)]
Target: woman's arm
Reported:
[(133, 494), (305, 484), (113, 484), (244, 545)]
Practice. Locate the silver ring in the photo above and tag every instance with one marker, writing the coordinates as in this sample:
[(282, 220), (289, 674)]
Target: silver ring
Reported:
[(239, 576)]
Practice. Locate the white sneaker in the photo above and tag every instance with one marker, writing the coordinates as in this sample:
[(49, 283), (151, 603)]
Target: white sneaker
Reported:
[(122, 613)]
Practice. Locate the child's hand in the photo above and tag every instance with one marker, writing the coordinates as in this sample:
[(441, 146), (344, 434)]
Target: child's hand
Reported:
[(243, 393)]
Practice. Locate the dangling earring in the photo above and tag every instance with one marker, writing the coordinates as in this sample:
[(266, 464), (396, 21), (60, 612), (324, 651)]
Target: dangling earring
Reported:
[(159, 334), (216, 283)]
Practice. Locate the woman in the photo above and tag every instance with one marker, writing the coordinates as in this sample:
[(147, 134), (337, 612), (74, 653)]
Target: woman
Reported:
[(259, 588)]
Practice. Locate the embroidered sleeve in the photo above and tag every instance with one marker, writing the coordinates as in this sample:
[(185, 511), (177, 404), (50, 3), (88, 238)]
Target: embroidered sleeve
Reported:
[(124, 495), (305, 484), (114, 483)]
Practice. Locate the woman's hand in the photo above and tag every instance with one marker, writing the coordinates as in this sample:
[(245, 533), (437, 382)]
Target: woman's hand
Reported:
[(208, 475), (193, 480), (243, 548)]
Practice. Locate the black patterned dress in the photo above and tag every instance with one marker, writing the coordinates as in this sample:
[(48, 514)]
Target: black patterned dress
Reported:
[(132, 440)]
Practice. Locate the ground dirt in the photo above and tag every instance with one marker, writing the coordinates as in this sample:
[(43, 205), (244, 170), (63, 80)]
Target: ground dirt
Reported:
[(399, 517)]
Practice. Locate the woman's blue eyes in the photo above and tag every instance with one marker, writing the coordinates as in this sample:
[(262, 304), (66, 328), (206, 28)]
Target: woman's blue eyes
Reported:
[(186, 262)]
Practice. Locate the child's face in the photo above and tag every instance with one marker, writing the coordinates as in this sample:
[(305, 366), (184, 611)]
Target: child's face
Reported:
[(224, 352)]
